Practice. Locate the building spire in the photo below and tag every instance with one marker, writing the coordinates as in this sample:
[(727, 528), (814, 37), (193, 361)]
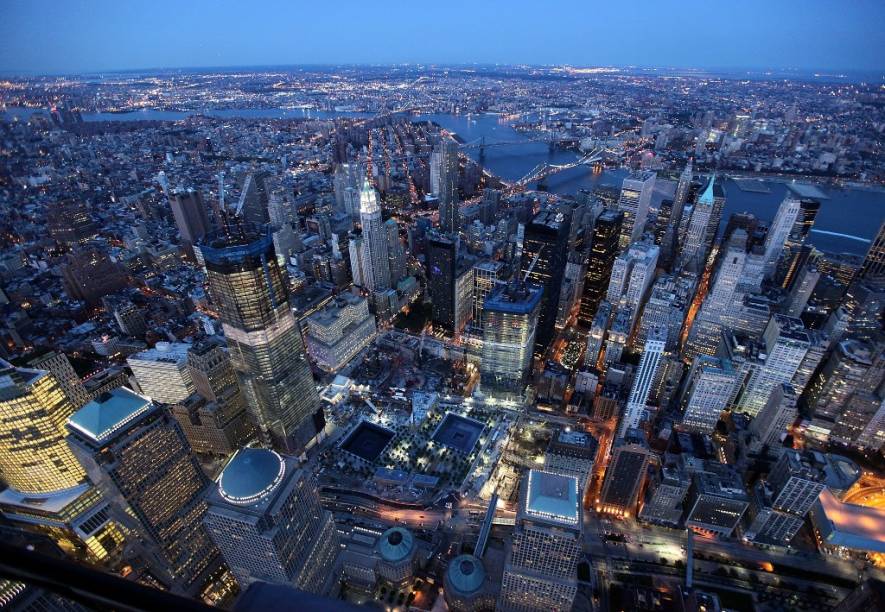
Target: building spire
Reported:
[(707, 196), (368, 198)]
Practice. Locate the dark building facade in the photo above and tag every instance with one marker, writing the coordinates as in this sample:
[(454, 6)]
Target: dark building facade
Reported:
[(603, 251), (89, 275), (442, 254), (544, 256), (190, 215)]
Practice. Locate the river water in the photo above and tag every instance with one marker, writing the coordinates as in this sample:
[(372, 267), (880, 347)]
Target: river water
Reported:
[(855, 213)]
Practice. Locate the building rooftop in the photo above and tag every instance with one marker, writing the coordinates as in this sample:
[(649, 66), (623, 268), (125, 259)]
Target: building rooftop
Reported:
[(552, 497), (235, 243), (515, 299), (40, 503), (575, 443), (711, 191), (396, 544), (841, 472), (250, 475), (12, 379), (640, 175), (550, 218), (850, 525), (108, 413), (172, 352), (466, 574)]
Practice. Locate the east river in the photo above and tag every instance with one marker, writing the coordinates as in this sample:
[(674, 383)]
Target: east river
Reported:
[(849, 217)]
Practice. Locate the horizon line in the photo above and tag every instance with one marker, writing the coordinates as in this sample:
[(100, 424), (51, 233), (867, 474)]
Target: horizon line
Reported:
[(757, 71)]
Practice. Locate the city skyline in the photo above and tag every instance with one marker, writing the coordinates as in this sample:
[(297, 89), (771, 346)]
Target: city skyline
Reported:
[(478, 338), (100, 36)]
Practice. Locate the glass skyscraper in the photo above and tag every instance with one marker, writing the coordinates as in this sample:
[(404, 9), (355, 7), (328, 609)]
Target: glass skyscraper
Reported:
[(34, 457), (47, 487), (603, 252), (544, 255), (510, 320), (250, 290), (141, 461), (442, 253)]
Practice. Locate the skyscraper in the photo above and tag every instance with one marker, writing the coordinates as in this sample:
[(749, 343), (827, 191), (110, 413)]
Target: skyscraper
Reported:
[(486, 278), (849, 365), (544, 257), (340, 330), (873, 266), (798, 481), (446, 160), (711, 382), (162, 372), (786, 342), (603, 252), (129, 317), (214, 418), (797, 252), (441, 261), (375, 252), (46, 487), (88, 274), (346, 184), (190, 215), (34, 457), (60, 367), (804, 286), (540, 571), (596, 334), (779, 230), (265, 517), (356, 251), (140, 459), (680, 197), (720, 302), (572, 453), (71, 223), (396, 254), (510, 320), (266, 351), (703, 225), (666, 307), (632, 274), (779, 412), (463, 295), (792, 488), (634, 201), (645, 375)]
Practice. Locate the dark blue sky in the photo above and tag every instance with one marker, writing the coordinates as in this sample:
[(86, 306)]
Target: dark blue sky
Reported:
[(86, 35)]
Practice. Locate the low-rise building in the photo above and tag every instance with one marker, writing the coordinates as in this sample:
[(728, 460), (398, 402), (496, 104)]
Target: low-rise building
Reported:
[(338, 332), (572, 453), (717, 499)]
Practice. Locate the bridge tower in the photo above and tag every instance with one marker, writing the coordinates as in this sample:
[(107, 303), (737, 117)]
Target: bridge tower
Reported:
[(552, 141)]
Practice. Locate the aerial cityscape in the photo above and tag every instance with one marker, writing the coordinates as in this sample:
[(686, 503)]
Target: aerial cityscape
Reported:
[(389, 334)]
